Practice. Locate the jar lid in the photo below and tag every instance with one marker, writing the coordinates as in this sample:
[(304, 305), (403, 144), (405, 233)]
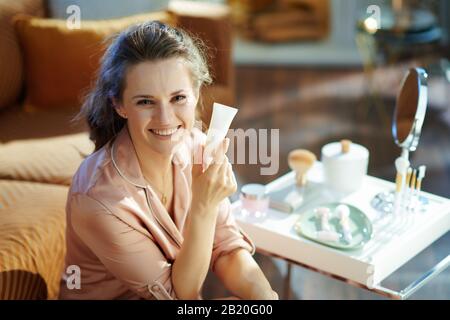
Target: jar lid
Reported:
[(345, 150), (254, 191)]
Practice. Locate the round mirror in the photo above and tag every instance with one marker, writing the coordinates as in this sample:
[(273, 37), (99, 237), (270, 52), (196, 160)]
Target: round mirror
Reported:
[(409, 115), (410, 109)]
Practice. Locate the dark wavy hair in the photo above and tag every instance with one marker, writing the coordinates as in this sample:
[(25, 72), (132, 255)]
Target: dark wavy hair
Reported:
[(147, 41)]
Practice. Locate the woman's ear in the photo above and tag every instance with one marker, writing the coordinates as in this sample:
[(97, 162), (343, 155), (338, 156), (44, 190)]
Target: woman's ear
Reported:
[(118, 106)]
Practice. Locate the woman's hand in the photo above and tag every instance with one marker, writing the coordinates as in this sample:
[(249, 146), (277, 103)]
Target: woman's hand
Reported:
[(264, 295), (209, 188)]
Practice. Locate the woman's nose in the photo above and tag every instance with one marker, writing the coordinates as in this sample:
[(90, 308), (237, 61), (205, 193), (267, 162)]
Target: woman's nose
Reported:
[(166, 113)]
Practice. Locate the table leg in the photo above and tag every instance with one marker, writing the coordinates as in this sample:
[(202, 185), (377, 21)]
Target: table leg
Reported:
[(287, 282)]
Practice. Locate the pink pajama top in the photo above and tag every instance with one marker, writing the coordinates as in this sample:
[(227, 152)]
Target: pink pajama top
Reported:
[(121, 241)]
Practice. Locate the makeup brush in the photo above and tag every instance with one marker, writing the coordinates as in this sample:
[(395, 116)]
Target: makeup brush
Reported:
[(420, 177), (406, 188), (412, 187), (408, 177), (301, 160), (401, 164), (413, 179)]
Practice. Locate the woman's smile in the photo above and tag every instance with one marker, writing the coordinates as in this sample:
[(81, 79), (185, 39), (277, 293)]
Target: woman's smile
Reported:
[(165, 133)]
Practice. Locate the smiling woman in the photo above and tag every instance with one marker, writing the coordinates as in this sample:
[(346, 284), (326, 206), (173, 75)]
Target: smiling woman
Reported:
[(133, 56), (143, 219), (157, 106)]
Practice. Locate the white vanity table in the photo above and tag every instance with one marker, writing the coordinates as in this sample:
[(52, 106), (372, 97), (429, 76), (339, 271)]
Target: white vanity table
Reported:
[(396, 238)]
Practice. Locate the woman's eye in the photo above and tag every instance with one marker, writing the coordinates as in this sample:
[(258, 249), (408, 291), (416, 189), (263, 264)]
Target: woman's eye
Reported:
[(179, 98), (145, 102)]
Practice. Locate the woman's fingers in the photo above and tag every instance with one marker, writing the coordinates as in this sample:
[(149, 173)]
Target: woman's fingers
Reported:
[(212, 170), (232, 178), (229, 181), (219, 172), (215, 167), (216, 153), (220, 152), (222, 174), (209, 154), (231, 173), (227, 143)]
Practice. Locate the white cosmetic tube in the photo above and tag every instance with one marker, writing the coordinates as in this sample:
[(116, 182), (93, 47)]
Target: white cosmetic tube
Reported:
[(221, 119)]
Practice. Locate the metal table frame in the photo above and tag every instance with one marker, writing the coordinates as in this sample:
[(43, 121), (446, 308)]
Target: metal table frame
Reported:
[(379, 289)]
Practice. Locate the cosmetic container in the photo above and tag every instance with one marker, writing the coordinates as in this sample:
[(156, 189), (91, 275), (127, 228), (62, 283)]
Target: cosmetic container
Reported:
[(254, 199)]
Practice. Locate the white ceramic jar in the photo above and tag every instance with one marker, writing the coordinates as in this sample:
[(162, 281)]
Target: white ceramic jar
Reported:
[(345, 165)]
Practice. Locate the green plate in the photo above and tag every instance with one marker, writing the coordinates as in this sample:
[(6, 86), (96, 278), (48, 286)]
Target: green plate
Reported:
[(360, 227)]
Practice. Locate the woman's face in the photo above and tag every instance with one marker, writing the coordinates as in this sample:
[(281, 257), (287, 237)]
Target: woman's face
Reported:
[(159, 102)]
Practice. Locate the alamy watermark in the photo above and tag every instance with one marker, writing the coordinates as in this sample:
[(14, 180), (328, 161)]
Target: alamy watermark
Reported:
[(373, 22), (5, 200), (258, 146), (73, 21), (73, 279)]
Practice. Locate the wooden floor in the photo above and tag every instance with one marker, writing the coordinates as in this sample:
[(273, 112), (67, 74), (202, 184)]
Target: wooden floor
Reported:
[(312, 107)]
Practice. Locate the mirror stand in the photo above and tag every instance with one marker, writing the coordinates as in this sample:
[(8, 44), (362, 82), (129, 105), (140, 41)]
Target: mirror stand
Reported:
[(384, 203), (406, 129)]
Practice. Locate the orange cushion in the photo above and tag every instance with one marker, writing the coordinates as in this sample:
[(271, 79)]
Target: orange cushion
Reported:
[(51, 160), (32, 239), (11, 65), (60, 63)]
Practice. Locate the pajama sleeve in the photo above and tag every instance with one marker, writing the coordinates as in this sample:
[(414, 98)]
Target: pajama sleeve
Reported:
[(228, 235)]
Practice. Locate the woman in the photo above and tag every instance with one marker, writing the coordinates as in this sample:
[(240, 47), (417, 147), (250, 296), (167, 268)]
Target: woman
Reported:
[(143, 219)]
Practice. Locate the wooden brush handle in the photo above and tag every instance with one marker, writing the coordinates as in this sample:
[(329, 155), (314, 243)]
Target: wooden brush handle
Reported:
[(345, 145), (398, 182), (300, 179)]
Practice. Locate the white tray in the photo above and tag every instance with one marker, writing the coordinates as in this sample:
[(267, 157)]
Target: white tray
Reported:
[(396, 239)]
